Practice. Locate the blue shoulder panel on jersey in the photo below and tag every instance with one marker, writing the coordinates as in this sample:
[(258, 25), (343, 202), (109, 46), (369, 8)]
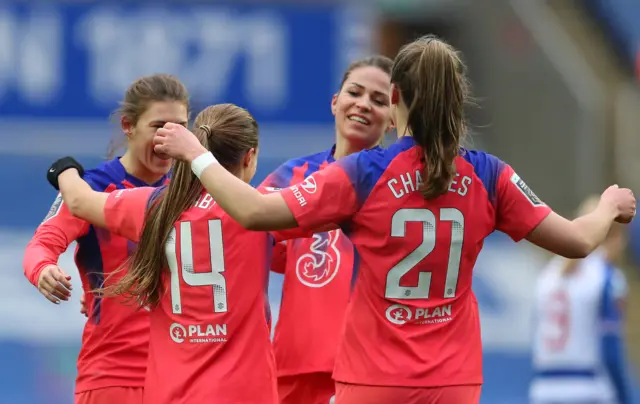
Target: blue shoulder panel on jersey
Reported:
[(612, 341), (282, 176), (97, 179), (316, 160), (487, 167), (105, 174), (365, 168)]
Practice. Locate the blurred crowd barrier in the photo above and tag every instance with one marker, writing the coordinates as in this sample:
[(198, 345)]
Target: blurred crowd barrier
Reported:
[(64, 67)]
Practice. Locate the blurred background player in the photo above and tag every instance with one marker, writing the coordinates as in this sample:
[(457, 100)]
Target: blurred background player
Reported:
[(207, 296), (113, 356), (418, 213), (579, 308), (318, 270)]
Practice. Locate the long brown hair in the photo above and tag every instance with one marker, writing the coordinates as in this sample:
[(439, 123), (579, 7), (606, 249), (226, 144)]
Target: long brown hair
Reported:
[(429, 74), (140, 95), (229, 132)]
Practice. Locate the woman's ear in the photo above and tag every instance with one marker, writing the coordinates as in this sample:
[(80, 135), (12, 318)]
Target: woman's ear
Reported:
[(391, 126), (334, 104), (127, 127), (248, 158)]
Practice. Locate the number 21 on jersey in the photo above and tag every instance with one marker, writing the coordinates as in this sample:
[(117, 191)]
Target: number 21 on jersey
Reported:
[(429, 222), (213, 278)]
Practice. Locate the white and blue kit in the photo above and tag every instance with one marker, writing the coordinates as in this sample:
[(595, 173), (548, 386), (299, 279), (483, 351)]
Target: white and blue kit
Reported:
[(578, 344)]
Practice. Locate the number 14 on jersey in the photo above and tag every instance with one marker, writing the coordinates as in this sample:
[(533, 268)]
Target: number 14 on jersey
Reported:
[(213, 278)]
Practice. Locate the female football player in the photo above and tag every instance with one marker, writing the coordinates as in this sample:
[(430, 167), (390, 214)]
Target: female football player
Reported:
[(113, 356), (417, 213), (318, 270), (203, 276)]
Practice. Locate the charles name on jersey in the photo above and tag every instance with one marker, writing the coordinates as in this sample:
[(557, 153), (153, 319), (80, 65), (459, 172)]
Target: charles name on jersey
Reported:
[(408, 183)]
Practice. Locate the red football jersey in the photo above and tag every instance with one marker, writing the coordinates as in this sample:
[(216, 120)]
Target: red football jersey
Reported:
[(209, 336), (317, 284), (413, 319), (116, 336)]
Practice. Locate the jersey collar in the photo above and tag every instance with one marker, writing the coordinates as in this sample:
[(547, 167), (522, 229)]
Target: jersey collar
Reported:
[(118, 169)]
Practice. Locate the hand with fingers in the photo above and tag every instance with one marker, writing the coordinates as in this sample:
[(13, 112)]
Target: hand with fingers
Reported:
[(623, 200), (176, 141), (54, 284)]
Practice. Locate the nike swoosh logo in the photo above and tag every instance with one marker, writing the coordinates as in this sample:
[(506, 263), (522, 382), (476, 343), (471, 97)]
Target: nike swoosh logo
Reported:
[(52, 170)]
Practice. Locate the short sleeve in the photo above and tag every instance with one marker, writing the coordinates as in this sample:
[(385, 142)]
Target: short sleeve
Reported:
[(518, 209), (125, 209), (280, 236), (327, 196)]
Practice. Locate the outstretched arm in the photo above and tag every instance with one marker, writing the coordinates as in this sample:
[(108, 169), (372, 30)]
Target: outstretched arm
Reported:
[(521, 214), (577, 238), (253, 210), (240, 200), (310, 204), (121, 212), (81, 200)]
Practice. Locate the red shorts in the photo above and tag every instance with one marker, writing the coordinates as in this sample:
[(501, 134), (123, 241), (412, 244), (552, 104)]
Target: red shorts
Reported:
[(309, 388), (358, 394), (111, 395)]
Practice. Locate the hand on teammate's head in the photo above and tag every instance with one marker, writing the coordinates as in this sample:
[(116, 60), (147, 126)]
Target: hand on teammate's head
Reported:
[(176, 141)]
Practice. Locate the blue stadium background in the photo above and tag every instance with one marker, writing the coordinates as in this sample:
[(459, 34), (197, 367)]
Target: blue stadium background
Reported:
[(64, 67)]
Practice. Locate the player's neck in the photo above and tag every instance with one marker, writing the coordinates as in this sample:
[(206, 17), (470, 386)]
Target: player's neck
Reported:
[(345, 148), (133, 167)]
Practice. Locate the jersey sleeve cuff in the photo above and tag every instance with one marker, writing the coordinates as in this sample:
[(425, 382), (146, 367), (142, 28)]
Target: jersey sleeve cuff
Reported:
[(299, 213), (35, 274)]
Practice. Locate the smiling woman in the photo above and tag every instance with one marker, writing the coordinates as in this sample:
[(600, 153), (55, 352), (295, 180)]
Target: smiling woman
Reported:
[(318, 270), (361, 107)]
